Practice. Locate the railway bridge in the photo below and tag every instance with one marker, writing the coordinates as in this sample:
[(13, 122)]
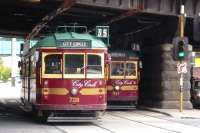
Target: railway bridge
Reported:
[(150, 24)]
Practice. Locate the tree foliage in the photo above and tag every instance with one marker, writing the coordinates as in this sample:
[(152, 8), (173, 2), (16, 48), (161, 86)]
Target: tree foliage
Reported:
[(4, 71)]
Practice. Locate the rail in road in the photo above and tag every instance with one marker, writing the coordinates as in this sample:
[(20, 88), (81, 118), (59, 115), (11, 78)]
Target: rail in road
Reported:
[(132, 121), (128, 121)]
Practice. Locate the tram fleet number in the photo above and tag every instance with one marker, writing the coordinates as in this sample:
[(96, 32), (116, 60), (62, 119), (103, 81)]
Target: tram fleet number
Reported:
[(74, 100), (115, 93)]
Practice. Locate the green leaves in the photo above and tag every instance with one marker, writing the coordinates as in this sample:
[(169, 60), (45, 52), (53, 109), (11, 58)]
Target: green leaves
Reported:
[(4, 71)]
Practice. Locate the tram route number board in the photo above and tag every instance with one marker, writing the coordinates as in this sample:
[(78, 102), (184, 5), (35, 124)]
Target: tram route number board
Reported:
[(182, 67)]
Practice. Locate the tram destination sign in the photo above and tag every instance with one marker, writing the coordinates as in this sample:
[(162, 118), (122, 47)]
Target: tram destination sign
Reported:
[(123, 55), (118, 54), (74, 44)]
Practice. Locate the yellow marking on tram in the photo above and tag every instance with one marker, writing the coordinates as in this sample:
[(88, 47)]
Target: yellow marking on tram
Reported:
[(129, 88), (124, 88), (64, 91), (55, 91), (93, 91)]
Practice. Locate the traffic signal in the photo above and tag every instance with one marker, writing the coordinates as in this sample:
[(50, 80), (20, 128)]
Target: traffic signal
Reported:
[(180, 48)]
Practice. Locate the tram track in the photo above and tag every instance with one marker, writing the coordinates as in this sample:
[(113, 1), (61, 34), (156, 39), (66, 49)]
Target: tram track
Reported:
[(112, 119), (166, 118), (104, 128), (144, 123), (140, 118), (59, 129), (93, 126)]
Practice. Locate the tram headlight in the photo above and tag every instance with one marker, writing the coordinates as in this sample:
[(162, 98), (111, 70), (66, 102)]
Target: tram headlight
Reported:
[(117, 88), (46, 83), (74, 91)]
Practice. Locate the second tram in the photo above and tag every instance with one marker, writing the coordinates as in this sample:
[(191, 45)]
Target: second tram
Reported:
[(63, 77), (122, 84)]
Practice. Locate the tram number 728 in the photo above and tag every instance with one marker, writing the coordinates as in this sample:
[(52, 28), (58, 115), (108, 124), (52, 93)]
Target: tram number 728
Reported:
[(74, 100)]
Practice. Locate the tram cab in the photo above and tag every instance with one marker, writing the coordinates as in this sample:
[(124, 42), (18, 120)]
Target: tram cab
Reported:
[(122, 84), (64, 77)]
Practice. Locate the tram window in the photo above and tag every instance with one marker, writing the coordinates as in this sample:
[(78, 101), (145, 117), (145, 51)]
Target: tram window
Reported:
[(130, 69), (53, 64), (74, 64), (94, 64), (117, 69)]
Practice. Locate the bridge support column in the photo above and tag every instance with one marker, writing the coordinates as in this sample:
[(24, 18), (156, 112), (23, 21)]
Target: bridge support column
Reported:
[(160, 80), (13, 69)]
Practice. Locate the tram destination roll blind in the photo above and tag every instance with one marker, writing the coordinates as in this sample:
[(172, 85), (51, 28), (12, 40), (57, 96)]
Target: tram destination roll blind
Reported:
[(74, 44)]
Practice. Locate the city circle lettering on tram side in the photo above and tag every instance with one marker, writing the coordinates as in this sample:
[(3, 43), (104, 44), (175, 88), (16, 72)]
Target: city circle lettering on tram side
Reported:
[(182, 67)]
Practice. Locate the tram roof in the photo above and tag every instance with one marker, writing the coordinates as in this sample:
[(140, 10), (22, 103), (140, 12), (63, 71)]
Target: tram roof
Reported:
[(52, 40)]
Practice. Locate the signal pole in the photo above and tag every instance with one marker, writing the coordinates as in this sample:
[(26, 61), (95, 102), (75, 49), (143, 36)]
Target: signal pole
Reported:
[(181, 34), (181, 93)]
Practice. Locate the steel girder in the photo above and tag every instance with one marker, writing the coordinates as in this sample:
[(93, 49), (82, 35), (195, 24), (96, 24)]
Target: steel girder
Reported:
[(163, 7)]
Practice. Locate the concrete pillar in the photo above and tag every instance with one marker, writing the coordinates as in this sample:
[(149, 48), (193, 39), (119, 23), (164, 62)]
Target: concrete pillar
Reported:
[(14, 65), (160, 80)]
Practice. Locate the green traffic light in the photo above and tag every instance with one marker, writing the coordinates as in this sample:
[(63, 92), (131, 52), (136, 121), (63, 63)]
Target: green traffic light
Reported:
[(181, 54)]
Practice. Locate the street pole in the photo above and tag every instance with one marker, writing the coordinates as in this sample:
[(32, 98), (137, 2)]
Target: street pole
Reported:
[(181, 34), (13, 68), (182, 23), (181, 93)]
